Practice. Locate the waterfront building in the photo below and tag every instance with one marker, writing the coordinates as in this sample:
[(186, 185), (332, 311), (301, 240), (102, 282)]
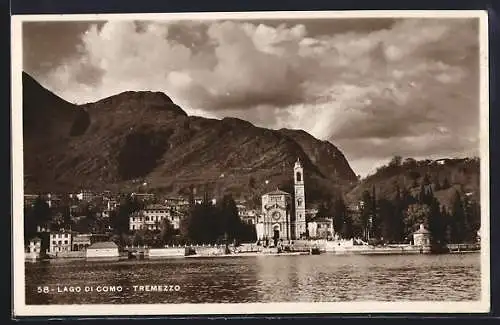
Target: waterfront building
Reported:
[(81, 241), (249, 217), (152, 216), (278, 220), (34, 248), (276, 223), (321, 228), (422, 237), (102, 249), (60, 241), (300, 200)]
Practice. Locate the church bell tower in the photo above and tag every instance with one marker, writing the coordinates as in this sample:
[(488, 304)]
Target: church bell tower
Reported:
[(300, 200)]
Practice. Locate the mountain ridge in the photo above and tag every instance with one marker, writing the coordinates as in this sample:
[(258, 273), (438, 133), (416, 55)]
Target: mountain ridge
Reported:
[(132, 138)]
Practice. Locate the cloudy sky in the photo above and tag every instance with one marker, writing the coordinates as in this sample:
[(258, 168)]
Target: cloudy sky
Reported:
[(373, 87)]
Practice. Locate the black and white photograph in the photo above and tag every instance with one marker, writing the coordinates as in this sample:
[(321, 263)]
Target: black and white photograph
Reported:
[(250, 163)]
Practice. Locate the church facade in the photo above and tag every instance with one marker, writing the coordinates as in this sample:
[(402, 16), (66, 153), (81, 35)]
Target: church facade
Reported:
[(284, 215)]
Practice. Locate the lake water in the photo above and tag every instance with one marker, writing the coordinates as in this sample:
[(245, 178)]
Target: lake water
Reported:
[(307, 278)]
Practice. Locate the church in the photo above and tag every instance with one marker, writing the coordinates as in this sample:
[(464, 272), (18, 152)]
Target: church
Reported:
[(282, 218)]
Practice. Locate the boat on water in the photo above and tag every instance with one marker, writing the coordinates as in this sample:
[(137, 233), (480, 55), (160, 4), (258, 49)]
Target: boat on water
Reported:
[(315, 251)]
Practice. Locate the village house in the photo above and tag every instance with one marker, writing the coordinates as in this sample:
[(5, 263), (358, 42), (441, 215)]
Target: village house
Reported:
[(422, 237), (144, 197), (176, 202), (152, 216), (311, 213), (111, 204), (60, 241), (321, 228), (85, 195), (247, 216), (81, 241), (34, 248)]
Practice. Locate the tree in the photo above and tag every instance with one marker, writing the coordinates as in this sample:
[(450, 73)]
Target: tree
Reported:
[(473, 219), (389, 229), (446, 184), (415, 215), (436, 183), (167, 231), (36, 215), (347, 228), (248, 233), (30, 223), (458, 220), (395, 161), (202, 225), (323, 210), (41, 210), (120, 220), (436, 223), (374, 222), (230, 220), (366, 212), (339, 215), (251, 182), (410, 162), (427, 180)]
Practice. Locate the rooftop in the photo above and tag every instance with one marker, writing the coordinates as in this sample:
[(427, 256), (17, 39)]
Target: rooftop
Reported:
[(103, 244), (322, 220), (277, 192), (422, 230), (156, 207)]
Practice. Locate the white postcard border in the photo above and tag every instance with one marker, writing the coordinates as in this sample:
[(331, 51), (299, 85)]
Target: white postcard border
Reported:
[(18, 284)]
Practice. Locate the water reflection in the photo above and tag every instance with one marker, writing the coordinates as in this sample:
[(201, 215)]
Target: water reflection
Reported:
[(318, 278)]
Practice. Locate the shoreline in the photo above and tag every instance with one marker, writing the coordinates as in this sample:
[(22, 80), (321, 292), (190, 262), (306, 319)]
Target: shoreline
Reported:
[(370, 252)]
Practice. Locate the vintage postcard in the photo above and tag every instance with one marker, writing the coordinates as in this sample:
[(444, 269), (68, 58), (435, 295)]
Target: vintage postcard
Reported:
[(250, 163)]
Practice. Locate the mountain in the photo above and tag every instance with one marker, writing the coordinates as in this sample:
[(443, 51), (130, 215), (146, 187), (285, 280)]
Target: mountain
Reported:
[(143, 139), (445, 176)]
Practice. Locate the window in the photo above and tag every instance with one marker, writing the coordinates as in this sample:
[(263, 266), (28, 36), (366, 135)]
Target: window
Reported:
[(59, 242), (53, 242), (65, 235), (66, 242), (299, 177)]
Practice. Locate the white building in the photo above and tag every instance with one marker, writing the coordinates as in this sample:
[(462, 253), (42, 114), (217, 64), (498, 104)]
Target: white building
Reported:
[(60, 241), (102, 249), (34, 248), (152, 217), (422, 237), (321, 228), (85, 195), (277, 221)]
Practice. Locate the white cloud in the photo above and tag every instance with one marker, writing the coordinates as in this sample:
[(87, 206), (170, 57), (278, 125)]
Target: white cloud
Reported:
[(359, 89)]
